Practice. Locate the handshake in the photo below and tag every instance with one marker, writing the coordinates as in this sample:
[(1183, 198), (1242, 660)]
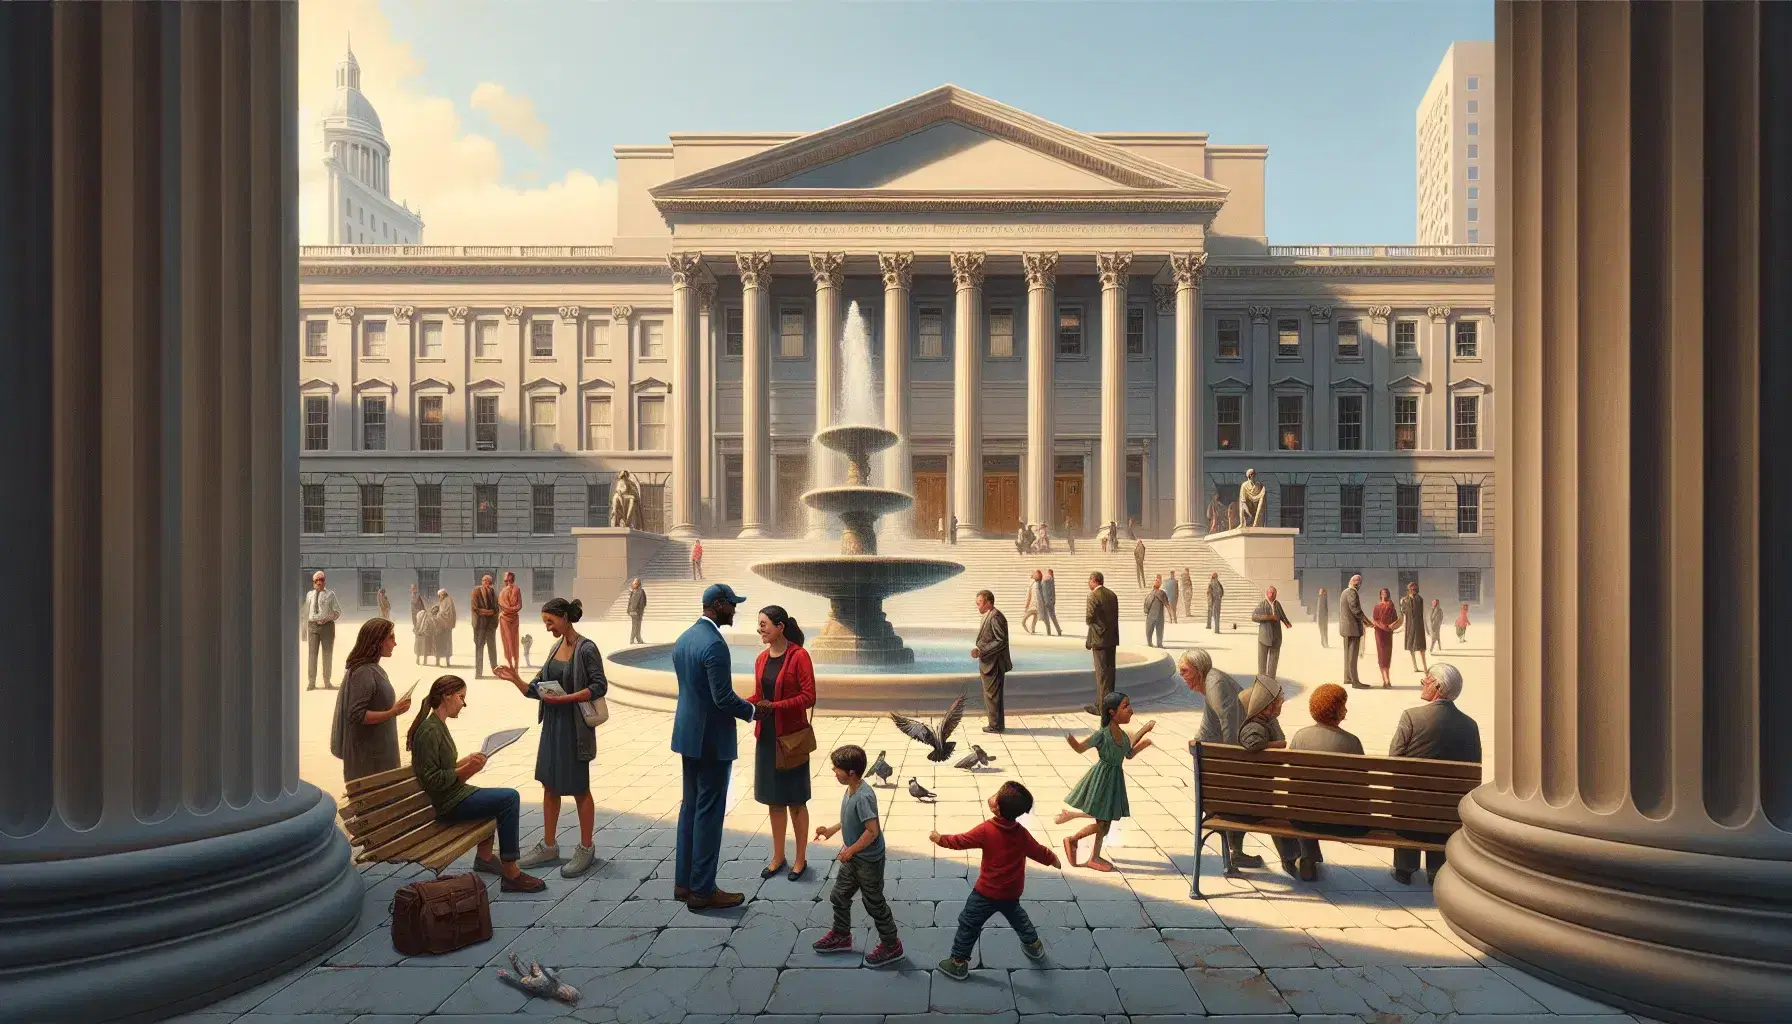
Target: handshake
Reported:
[(762, 711)]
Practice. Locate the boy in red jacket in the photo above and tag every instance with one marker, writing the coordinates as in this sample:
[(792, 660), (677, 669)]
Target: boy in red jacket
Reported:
[(1006, 846)]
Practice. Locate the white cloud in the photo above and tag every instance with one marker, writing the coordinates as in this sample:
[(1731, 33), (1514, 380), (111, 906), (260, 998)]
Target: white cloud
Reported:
[(454, 176)]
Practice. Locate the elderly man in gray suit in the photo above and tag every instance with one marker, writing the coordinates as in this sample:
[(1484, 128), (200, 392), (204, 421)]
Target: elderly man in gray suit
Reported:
[(1437, 731), (1221, 718), (993, 663), (320, 611), (1215, 594), (1155, 603), (1270, 618), (1351, 623)]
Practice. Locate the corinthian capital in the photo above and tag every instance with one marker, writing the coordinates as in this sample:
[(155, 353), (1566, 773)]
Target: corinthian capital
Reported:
[(1380, 314), (685, 266), (346, 314), (1187, 267), (967, 269), (1164, 295), (1319, 313), (1041, 268), (898, 269), (1439, 313), (755, 269), (403, 314), (826, 268), (706, 294), (1112, 267), (1259, 314)]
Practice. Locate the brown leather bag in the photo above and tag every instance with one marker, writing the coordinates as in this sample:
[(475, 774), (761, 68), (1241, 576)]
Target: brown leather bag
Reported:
[(794, 749), (441, 916)]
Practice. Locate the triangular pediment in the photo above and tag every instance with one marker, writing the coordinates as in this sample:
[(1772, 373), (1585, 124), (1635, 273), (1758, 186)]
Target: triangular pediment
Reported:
[(1230, 384), (1409, 383), (432, 384), (1291, 382), (1468, 384), (1349, 384)]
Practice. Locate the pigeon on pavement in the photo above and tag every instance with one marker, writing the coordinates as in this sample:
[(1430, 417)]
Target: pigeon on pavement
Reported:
[(880, 768), (918, 791), (975, 759), (921, 732)]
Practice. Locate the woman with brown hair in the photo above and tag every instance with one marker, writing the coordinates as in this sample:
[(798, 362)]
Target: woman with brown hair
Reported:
[(783, 691), (364, 732), (1327, 705), (443, 773), (1385, 618)]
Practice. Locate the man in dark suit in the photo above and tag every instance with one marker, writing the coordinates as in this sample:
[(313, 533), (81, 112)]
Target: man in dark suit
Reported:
[(1438, 731), (703, 735), (1351, 623), (1215, 593), (1270, 618), (1103, 617), (1155, 603), (993, 662), (485, 625), (637, 607)]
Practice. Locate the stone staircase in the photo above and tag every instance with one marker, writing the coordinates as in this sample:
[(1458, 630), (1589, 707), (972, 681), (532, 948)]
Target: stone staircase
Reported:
[(989, 564)]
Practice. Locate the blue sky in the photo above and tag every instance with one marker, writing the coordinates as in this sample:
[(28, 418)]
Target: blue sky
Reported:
[(1330, 87)]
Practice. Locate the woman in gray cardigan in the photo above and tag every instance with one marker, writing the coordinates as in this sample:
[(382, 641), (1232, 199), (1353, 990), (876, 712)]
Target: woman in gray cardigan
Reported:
[(1327, 706)]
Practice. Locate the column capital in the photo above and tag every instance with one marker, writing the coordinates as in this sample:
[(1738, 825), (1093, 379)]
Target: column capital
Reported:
[(346, 314), (755, 269), (1439, 313), (1187, 267), (620, 314), (1320, 314), (685, 267), (706, 294), (1490, 315), (513, 314), (967, 269), (570, 314), (1112, 267), (1380, 314), (403, 314), (826, 268), (458, 314), (898, 269), (1041, 268), (1259, 314), (1164, 296)]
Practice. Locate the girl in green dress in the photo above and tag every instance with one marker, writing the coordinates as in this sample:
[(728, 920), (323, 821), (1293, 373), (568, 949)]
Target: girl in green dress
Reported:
[(1101, 794)]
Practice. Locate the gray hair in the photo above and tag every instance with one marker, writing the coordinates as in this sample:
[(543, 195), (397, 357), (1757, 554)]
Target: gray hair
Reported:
[(1197, 659), (1447, 679)]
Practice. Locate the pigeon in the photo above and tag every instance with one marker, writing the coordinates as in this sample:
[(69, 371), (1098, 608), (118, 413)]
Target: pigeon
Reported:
[(921, 732), (975, 759), (881, 769), (918, 791)]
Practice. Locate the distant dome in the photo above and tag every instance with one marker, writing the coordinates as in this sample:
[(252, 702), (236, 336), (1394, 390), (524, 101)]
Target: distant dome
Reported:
[(354, 106)]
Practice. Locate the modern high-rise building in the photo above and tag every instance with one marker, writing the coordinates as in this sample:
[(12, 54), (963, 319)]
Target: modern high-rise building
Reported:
[(359, 160), (1456, 168)]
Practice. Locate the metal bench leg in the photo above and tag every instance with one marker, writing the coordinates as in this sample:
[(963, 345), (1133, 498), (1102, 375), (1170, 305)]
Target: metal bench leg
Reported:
[(1195, 888)]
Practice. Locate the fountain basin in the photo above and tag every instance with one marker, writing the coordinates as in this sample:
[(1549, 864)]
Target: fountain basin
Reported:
[(857, 577), (855, 440), (852, 500)]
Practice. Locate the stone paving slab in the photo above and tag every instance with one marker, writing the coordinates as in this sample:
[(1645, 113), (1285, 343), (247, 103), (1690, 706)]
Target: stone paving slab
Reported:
[(1064, 991), (804, 990)]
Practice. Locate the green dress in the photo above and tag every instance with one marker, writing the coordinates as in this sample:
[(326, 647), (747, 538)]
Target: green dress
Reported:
[(1102, 792)]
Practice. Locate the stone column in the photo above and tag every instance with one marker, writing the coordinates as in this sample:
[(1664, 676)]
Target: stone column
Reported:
[(1322, 420), (1042, 353), (828, 467), (967, 394), (1263, 396), (685, 437), (157, 847), (457, 405), (1378, 410), (898, 272), (1113, 267), (622, 351), (706, 393), (1437, 363), (1635, 840), (1185, 449), (755, 394)]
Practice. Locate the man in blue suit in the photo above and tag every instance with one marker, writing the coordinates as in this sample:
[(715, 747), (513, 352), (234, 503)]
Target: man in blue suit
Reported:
[(703, 734)]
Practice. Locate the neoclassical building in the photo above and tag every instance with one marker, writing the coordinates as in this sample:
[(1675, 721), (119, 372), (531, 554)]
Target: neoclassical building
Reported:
[(1065, 326)]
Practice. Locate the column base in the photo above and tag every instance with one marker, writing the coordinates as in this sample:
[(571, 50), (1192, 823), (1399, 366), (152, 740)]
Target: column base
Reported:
[(754, 532), (1689, 938), (150, 933), (969, 533), (1186, 531), (685, 531)]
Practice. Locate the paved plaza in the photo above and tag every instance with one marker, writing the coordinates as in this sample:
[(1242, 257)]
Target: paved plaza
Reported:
[(1353, 947)]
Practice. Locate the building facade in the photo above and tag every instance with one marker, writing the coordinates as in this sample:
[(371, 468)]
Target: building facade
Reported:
[(1456, 141), (359, 164), (1064, 327)]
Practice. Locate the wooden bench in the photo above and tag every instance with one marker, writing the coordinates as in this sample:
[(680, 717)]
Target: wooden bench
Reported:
[(1384, 795), (390, 820)]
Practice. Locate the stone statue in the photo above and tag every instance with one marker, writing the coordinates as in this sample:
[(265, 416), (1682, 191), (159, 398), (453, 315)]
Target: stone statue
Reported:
[(1216, 510), (625, 503), (1250, 500)]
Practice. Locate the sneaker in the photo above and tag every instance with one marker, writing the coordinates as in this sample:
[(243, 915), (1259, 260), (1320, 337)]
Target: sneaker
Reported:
[(834, 942), (954, 969), (1035, 950), (522, 883), (541, 854), (885, 953), (582, 859)]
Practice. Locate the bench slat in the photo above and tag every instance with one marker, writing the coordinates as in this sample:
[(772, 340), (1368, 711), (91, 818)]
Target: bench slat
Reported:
[(1286, 805), (386, 833), (1378, 837), (383, 815), (446, 855), (1210, 777), (1270, 769), (1379, 821), (379, 797), (1323, 759), (448, 837), (365, 783), (415, 844)]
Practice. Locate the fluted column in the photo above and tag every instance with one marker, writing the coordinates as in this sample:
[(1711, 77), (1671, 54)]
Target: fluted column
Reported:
[(685, 438), (1185, 447), (755, 394), (1437, 365), (705, 291), (967, 394), (1262, 396), (1041, 269), (156, 843), (622, 350), (827, 470), (1635, 840), (898, 273), (1113, 267)]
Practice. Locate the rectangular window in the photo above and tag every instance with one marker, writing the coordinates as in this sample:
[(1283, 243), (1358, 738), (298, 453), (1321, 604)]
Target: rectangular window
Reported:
[(485, 508), (597, 504), (1474, 215), (373, 508), (597, 339), (598, 434), (1135, 331), (485, 423), (1287, 339), (1294, 506), (541, 509), (1406, 509), (317, 339), (541, 339), (1474, 83), (1001, 333), (1402, 578), (1474, 128), (653, 423), (429, 339), (1468, 586), (1474, 106), (313, 497), (1350, 339), (1474, 235), (1474, 191), (1474, 151), (1474, 173), (317, 423), (428, 582), (1070, 330), (544, 422), (541, 585), (734, 333), (1350, 423), (930, 331), (429, 423), (1406, 339), (1228, 414), (1288, 422), (1468, 508), (429, 508), (1468, 422), (485, 339), (653, 339), (1350, 509), (373, 424), (370, 588), (373, 339), (1228, 339), (731, 488), (1468, 339), (790, 334), (1406, 423)]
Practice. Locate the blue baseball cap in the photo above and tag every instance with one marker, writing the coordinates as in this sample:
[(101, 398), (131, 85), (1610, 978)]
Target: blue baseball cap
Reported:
[(721, 592)]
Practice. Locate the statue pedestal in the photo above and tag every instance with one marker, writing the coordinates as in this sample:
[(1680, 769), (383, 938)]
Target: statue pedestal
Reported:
[(1265, 556), (608, 558)]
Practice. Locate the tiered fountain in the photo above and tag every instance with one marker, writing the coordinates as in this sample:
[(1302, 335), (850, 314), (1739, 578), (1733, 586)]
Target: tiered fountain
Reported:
[(858, 580)]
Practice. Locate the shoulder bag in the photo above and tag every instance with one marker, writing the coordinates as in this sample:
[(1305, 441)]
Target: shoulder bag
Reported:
[(435, 917), (793, 749), (595, 711)]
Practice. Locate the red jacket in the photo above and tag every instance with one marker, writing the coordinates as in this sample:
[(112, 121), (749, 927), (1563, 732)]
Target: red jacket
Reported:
[(793, 692), (1006, 846)]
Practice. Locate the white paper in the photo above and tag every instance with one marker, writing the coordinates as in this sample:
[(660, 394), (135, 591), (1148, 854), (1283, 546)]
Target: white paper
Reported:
[(407, 693), (550, 689), (499, 740)]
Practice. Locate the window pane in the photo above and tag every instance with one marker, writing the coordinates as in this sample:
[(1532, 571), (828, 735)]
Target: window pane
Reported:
[(485, 423), (542, 508), (1468, 422), (1468, 586), (429, 423), (373, 508), (370, 588), (1135, 332), (1228, 339), (313, 498), (1350, 341), (930, 325), (597, 423), (541, 585), (541, 338), (485, 339), (1406, 423), (790, 334), (1294, 506), (1001, 333), (544, 422), (317, 423), (485, 508), (597, 504), (1468, 339), (317, 339), (653, 423), (1406, 339), (1288, 422), (731, 488), (1350, 509), (429, 508), (735, 333), (373, 339), (373, 424), (1070, 331), (1350, 423), (1287, 337), (597, 339), (1468, 508), (1229, 417), (653, 339), (1406, 508)]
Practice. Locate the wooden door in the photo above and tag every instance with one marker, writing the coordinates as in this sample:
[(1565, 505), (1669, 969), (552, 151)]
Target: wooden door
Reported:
[(1001, 504), (793, 480), (1067, 500), (930, 504)]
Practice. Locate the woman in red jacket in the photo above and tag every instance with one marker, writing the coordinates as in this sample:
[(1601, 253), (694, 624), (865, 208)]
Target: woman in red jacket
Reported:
[(784, 685)]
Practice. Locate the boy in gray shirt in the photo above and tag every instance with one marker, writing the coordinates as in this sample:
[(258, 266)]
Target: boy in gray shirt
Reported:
[(861, 864)]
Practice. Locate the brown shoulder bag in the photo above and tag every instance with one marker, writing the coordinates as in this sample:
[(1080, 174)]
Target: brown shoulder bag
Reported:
[(435, 917)]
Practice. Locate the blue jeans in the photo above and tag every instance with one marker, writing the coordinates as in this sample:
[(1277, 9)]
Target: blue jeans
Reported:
[(501, 804), (980, 908), (700, 824)]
